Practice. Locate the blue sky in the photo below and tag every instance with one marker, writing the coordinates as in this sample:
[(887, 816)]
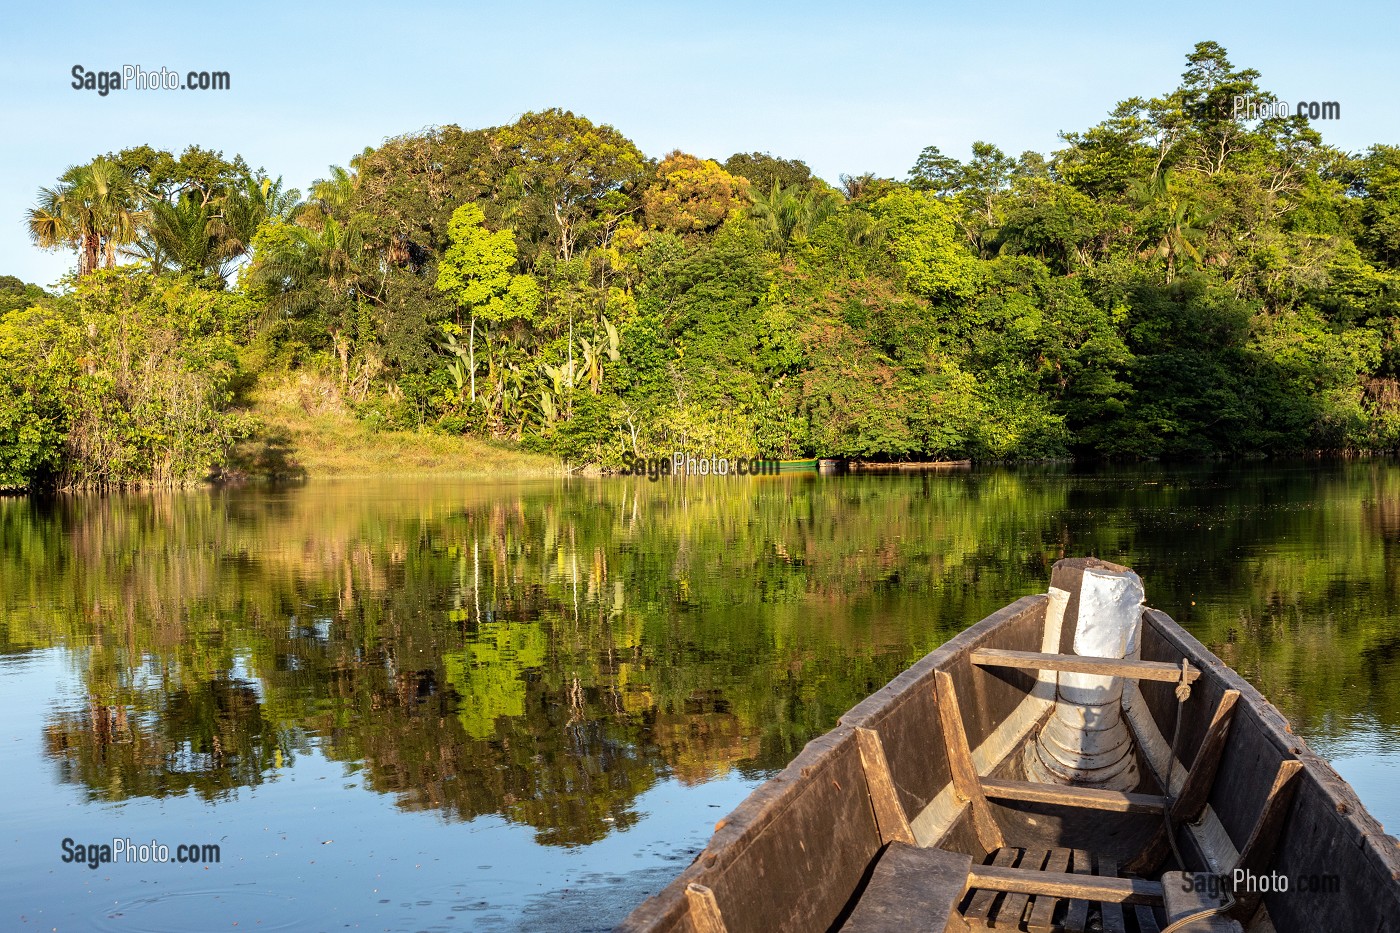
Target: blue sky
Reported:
[(849, 88)]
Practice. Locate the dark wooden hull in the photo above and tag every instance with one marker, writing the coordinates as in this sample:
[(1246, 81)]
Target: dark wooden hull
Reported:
[(802, 852)]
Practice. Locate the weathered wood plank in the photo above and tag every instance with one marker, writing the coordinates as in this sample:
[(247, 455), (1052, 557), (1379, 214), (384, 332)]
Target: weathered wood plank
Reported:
[(704, 910), (1111, 890), (1113, 921), (1147, 921), (1077, 914), (966, 781), (1258, 852), (893, 823), (980, 908), (1013, 906), (792, 860), (1329, 829), (905, 712), (1079, 664), (910, 889), (1042, 915), (1086, 797)]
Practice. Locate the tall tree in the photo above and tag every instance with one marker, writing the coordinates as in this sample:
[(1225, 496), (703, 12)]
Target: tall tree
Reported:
[(476, 273), (585, 175), (933, 171), (691, 195), (93, 209), (764, 170)]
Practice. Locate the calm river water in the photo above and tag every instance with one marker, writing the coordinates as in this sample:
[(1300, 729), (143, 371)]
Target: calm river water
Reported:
[(454, 706)]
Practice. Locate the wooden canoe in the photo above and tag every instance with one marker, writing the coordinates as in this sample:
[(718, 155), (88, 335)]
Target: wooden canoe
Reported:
[(797, 466), (914, 813)]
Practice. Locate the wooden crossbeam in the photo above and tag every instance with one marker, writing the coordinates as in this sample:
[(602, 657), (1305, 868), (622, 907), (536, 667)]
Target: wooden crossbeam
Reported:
[(966, 782), (1105, 890), (1196, 791), (1085, 797), (890, 817), (1079, 664)]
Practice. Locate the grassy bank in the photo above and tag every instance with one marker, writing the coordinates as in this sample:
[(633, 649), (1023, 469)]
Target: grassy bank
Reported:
[(307, 430)]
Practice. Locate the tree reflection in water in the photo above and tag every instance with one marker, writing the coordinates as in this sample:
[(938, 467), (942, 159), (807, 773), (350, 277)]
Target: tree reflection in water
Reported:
[(548, 653)]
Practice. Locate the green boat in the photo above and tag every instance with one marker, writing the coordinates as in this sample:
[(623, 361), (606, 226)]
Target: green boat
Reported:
[(797, 466)]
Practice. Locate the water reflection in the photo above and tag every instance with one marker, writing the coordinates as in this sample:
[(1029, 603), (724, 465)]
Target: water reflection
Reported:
[(548, 653)]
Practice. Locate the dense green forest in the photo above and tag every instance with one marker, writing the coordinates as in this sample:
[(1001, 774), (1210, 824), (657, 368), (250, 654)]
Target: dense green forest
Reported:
[(1178, 281)]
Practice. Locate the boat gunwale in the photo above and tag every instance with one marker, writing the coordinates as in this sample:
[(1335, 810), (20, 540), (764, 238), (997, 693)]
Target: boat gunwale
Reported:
[(1347, 808), (874, 708), (771, 799)]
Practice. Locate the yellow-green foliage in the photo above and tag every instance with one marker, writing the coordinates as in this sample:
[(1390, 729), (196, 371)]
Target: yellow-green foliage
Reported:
[(476, 269), (126, 380), (488, 673), (37, 349), (692, 195), (923, 237)]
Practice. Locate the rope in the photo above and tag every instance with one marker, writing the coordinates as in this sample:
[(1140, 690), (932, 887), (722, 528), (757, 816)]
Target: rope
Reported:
[(1183, 693)]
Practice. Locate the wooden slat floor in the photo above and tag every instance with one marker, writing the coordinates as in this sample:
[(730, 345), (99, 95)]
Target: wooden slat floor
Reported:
[(995, 910)]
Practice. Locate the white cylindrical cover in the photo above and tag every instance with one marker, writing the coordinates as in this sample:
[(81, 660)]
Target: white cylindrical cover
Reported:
[(1085, 740)]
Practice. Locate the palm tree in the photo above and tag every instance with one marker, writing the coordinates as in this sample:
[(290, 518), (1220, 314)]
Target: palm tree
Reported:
[(788, 217), (93, 210), (200, 235), (180, 234), (244, 210), (303, 260), (1187, 220), (333, 196)]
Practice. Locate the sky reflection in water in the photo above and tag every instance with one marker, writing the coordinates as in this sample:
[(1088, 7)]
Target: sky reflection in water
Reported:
[(524, 706)]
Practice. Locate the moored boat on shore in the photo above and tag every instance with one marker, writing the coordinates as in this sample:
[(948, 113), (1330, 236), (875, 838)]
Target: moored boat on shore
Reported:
[(798, 466)]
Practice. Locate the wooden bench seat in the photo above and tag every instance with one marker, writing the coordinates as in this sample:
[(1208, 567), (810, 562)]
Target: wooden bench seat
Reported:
[(911, 889), (1028, 890)]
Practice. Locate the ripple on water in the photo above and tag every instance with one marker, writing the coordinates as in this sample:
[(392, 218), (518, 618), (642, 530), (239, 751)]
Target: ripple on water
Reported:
[(219, 908)]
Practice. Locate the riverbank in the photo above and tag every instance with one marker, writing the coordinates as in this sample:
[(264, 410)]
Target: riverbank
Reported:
[(305, 433)]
